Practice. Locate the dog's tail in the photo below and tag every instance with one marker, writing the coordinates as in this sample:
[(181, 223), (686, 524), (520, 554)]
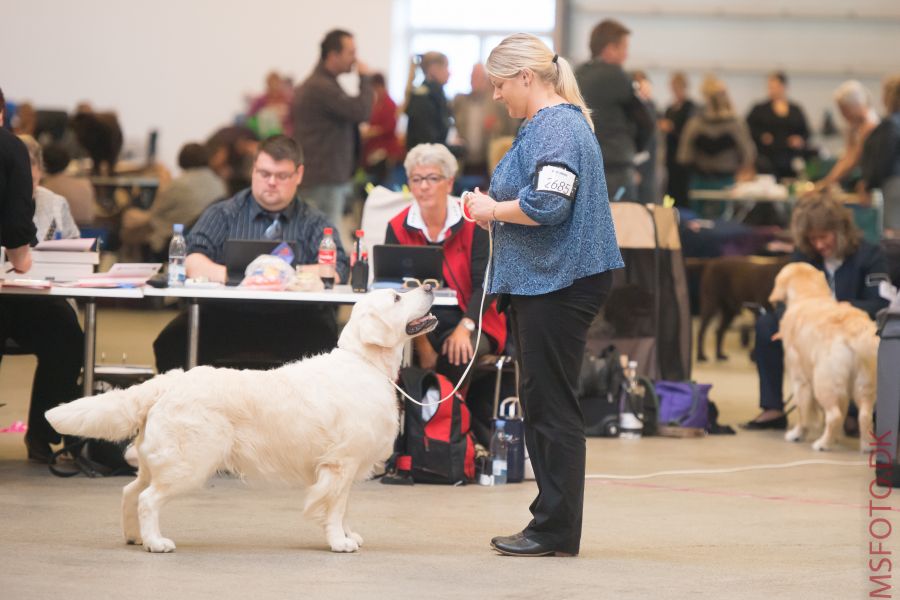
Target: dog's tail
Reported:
[(115, 415)]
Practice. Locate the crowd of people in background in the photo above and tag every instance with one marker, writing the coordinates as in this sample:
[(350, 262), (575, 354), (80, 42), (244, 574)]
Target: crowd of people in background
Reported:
[(649, 152), (298, 158)]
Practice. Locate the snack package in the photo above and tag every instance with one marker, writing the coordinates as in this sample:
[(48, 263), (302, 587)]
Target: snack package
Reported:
[(268, 272)]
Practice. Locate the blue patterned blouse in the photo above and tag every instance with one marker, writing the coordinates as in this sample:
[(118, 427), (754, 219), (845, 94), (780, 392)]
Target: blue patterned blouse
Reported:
[(555, 170)]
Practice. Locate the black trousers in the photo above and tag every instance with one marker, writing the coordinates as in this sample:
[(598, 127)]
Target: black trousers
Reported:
[(551, 332), (48, 328), (769, 357), (249, 335)]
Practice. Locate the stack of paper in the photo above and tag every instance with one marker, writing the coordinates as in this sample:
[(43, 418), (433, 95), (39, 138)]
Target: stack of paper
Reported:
[(61, 260)]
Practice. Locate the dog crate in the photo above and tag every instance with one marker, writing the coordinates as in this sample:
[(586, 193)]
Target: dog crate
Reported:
[(647, 315)]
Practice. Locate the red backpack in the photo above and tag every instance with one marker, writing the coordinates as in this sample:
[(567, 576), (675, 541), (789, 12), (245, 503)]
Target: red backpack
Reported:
[(441, 449)]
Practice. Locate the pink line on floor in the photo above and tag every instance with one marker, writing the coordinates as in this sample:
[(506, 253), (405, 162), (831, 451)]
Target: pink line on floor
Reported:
[(737, 494)]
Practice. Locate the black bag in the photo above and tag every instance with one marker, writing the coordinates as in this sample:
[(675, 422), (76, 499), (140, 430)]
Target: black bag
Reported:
[(92, 457), (602, 390), (441, 449), (599, 386)]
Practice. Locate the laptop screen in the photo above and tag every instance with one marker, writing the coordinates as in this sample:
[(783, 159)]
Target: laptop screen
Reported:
[(240, 253), (392, 262)]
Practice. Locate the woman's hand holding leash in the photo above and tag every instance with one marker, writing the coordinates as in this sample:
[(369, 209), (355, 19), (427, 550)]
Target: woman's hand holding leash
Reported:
[(479, 207)]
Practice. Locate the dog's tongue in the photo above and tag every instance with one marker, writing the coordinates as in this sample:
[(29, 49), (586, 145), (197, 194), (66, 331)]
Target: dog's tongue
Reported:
[(420, 320)]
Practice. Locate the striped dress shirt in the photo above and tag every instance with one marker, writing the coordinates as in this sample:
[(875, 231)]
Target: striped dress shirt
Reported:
[(242, 218)]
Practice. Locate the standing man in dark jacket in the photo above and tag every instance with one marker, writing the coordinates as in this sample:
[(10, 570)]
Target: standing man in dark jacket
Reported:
[(428, 110), (325, 121), (622, 122)]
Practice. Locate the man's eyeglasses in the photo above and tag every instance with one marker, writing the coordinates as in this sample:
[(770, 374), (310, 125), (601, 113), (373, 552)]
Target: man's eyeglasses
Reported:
[(279, 177), (411, 283), (432, 179)]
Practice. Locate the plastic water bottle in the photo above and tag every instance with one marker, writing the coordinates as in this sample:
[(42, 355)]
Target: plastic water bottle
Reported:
[(177, 254), (327, 258), (631, 425), (359, 267), (499, 453)]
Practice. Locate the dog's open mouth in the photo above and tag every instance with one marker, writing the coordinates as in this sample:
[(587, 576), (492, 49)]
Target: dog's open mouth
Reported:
[(421, 325)]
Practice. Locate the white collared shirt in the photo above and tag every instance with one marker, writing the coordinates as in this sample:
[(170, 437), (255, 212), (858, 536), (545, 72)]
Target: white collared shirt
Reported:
[(454, 214)]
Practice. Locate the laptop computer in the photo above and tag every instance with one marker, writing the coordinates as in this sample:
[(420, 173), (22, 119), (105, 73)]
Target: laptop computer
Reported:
[(392, 262), (240, 253)]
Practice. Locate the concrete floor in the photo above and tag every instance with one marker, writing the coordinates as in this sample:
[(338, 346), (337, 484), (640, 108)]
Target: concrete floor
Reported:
[(798, 532)]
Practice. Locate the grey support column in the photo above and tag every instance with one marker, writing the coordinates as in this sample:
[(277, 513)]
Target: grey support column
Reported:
[(193, 333), (90, 344)]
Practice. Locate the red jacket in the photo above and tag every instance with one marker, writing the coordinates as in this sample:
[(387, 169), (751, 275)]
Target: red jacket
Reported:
[(458, 270)]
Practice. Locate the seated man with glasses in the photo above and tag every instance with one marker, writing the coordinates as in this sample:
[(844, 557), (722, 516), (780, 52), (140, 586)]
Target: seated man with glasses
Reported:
[(436, 219), (246, 332)]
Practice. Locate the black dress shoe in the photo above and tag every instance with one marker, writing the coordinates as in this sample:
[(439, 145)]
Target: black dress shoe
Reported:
[(39, 452), (507, 539), (776, 423), (523, 546)]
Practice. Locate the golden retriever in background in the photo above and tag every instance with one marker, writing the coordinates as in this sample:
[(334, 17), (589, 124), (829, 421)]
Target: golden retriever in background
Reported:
[(322, 423), (830, 350)]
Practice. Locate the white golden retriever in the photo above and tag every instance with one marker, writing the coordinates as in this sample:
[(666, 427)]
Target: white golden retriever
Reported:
[(830, 350), (321, 423)]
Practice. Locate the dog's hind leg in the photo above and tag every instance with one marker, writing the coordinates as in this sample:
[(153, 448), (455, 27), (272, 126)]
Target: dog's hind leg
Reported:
[(326, 501), (831, 392), (833, 421), (131, 526), (706, 316), (725, 321), (173, 471), (803, 397)]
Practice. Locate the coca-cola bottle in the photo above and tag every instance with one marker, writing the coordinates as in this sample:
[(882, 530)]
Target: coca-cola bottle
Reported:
[(327, 258)]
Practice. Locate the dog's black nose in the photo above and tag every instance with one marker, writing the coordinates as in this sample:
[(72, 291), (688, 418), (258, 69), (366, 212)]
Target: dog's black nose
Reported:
[(428, 288)]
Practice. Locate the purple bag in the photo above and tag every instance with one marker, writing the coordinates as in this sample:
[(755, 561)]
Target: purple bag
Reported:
[(683, 403)]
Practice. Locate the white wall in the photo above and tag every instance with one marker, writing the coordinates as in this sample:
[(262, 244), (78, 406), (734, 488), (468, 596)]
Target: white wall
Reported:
[(185, 66), (819, 43), (182, 66)]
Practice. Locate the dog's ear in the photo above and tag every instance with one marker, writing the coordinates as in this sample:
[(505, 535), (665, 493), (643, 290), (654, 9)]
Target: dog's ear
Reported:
[(375, 330)]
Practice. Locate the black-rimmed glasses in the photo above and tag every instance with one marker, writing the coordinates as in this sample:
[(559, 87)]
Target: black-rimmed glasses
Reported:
[(432, 179)]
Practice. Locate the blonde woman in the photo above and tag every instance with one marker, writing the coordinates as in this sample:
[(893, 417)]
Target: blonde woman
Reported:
[(554, 248), (716, 145)]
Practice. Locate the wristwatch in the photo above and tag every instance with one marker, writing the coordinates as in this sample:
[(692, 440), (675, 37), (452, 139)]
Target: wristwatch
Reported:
[(468, 323)]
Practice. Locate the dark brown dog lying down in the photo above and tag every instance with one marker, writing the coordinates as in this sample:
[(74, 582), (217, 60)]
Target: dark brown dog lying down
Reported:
[(727, 283)]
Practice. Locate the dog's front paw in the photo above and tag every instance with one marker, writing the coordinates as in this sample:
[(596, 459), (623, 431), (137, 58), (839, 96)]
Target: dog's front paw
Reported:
[(821, 445), (160, 545), (794, 435), (355, 537), (344, 545)]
